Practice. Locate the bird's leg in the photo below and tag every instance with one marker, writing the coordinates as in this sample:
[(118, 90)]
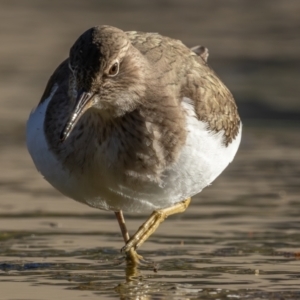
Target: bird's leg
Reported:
[(131, 255), (121, 221), (157, 217)]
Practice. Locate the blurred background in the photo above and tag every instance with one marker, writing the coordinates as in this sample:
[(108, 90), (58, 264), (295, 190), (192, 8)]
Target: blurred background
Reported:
[(254, 47), (247, 216)]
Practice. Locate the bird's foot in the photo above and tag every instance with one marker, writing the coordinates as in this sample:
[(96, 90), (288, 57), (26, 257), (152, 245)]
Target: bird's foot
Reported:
[(152, 223), (132, 257)]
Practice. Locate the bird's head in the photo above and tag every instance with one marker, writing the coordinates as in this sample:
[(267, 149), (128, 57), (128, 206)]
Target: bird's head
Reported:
[(106, 74)]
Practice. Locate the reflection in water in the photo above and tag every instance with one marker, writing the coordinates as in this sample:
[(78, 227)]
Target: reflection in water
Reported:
[(239, 238)]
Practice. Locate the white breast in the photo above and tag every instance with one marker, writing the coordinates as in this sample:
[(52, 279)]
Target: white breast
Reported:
[(202, 159), (44, 160)]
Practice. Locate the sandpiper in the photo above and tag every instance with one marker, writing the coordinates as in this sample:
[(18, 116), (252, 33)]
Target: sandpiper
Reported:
[(133, 122)]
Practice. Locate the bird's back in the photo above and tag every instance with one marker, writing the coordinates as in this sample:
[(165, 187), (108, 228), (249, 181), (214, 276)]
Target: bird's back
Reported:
[(188, 75)]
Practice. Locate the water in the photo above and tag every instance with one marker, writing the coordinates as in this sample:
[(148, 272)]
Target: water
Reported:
[(238, 239)]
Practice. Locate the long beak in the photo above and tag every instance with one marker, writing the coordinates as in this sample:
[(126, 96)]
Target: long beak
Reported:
[(83, 102)]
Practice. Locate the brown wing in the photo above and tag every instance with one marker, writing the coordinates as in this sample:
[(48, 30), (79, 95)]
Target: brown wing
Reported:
[(185, 72), (214, 103)]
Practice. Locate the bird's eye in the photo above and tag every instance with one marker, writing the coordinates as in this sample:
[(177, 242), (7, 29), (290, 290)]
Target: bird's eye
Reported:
[(114, 70)]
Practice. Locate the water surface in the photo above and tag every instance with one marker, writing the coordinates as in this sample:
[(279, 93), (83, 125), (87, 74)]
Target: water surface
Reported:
[(238, 239)]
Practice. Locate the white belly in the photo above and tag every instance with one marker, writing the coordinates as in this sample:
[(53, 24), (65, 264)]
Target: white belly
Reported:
[(202, 159)]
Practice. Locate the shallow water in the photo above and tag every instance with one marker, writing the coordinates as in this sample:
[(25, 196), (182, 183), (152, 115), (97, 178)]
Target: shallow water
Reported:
[(238, 239)]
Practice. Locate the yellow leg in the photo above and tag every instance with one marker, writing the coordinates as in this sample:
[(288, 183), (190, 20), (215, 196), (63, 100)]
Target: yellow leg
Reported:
[(131, 255), (121, 221), (152, 224)]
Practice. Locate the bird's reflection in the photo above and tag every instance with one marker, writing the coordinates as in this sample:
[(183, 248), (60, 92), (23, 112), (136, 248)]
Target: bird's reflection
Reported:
[(135, 284), (133, 269)]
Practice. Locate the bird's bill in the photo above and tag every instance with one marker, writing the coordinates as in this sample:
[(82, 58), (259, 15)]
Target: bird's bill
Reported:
[(83, 102)]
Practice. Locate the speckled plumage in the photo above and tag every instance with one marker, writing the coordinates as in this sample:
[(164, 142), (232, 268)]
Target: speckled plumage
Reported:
[(133, 121), (182, 74)]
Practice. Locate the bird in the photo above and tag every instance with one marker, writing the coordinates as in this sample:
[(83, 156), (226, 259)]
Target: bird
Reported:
[(133, 122)]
